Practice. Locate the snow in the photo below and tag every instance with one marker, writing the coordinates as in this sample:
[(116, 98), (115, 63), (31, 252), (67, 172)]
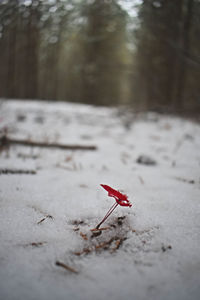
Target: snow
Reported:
[(56, 207)]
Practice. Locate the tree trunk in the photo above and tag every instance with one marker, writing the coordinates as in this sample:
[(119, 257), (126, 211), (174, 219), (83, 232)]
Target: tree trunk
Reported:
[(182, 76)]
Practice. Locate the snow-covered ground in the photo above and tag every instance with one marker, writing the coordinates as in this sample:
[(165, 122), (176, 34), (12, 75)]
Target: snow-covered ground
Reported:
[(149, 251)]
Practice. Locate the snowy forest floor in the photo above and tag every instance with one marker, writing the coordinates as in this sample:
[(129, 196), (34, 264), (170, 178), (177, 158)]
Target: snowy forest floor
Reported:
[(50, 199)]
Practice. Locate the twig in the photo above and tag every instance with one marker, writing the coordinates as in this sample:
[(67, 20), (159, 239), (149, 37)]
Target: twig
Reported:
[(190, 181), (42, 220), (6, 141), (66, 267), (35, 244), (17, 171)]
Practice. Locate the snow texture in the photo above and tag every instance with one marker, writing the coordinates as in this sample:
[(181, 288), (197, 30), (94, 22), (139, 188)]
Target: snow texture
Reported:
[(149, 251)]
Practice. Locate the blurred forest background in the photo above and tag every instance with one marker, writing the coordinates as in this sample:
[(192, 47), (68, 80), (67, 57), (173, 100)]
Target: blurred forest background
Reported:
[(105, 52)]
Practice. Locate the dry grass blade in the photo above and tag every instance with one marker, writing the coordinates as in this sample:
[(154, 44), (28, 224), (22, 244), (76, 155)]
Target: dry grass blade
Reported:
[(84, 236), (117, 244), (104, 245), (99, 229), (84, 251)]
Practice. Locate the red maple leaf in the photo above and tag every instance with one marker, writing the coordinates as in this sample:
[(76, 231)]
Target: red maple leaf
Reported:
[(121, 199)]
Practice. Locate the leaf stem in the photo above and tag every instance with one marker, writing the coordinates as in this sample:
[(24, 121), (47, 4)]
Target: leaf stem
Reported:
[(107, 214)]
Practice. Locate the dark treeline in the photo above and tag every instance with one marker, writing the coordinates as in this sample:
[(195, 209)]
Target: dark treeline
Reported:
[(97, 52), (167, 59)]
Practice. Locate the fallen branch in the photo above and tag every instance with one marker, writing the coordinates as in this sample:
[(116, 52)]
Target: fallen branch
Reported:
[(6, 142)]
